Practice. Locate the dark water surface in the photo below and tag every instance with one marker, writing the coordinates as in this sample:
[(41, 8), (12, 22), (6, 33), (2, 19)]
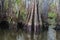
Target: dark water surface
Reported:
[(21, 35)]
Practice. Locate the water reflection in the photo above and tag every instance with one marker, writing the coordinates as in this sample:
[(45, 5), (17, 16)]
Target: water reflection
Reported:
[(51, 34), (58, 35)]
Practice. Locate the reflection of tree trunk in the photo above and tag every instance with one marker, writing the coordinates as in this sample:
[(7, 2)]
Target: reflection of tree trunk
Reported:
[(51, 34)]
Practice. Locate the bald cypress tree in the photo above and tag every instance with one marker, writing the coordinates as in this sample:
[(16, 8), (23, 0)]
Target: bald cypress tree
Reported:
[(33, 18)]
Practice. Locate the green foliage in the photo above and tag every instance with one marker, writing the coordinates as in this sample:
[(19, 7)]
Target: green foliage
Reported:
[(52, 10), (23, 15), (17, 5), (52, 21), (52, 14), (53, 5), (6, 4), (18, 1)]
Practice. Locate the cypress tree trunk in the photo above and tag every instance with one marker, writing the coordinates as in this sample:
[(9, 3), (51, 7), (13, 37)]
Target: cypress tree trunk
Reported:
[(3, 12), (44, 15), (0, 9), (58, 15), (9, 13), (33, 23)]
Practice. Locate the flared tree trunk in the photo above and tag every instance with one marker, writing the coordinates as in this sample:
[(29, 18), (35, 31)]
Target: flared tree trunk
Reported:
[(33, 18)]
